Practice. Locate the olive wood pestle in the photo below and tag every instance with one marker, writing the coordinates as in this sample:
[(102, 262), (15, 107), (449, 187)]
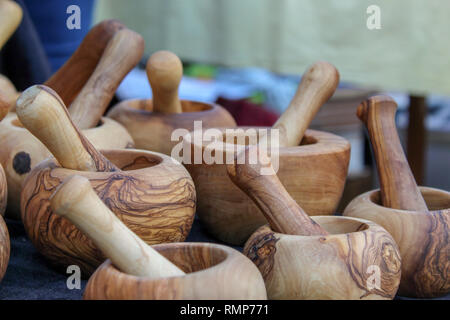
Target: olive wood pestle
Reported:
[(76, 201), (122, 54), (10, 17), (317, 85), (398, 187), (73, 75), (44, 114), (164, 72), (281, 211)]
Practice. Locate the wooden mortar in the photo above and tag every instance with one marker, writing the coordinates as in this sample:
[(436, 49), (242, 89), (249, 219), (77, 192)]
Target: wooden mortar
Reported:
[(312, 164), (152, 121), (153, 195), (4, 247), (321, 257), (23, 150), (138, 271), (417, 218)]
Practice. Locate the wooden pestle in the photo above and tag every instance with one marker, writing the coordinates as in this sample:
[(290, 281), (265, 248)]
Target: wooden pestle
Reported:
[(122, 54), (72, 76), (281, 211), (164, 72), (398, 187), (76, 201), (317, 85), (44, 114), (10, 17)]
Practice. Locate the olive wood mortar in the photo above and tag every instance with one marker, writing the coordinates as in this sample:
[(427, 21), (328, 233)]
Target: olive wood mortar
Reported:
[(312, 164), (152, 121), (4, 247), (152, 194), (321, 257), (138, 271), (417, 217), (23, 150)]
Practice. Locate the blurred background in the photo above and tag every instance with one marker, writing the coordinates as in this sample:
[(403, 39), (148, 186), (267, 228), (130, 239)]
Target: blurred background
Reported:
[(249, 57)]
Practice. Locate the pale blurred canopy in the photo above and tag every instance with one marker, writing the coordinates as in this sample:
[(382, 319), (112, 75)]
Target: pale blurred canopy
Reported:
[(408, 53)]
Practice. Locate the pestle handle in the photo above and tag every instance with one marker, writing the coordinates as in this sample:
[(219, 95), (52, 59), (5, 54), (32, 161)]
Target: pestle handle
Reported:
[(164, 72), (10, 17), (43, 113), (72, 76), (281, 211), (76, 201), (317, 85), (122, 54), (398, 187)]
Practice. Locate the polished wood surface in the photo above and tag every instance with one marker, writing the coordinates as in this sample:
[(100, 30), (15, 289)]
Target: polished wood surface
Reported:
[(398, 187), (10, 18), (4, 247), (417, 137), (340, 265), (317, 85), (164, 72), (265, 189), (313, 173), (76, 201), (149, 192), (423, 238), (213, 272), (122, 54), (73, 75), (44, 114)]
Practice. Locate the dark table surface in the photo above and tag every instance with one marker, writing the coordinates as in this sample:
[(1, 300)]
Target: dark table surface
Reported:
[(30, 277)]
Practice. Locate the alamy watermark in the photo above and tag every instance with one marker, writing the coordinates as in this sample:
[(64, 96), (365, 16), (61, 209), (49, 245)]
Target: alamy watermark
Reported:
[(74, 20), (373, 21), (216, 146)]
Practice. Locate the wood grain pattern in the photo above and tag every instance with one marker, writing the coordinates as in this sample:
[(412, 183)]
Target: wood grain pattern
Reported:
[(211, 274), (122, 54), (398, 187), (21, 151), (4, 106), (10, 17), (422, 236), (73, 75), (281, 211), (151, 195), (153, 130), (317, 86), (75, 200), (313, 173), (4, 248), (334, 266), (164, 72), (44, 114)]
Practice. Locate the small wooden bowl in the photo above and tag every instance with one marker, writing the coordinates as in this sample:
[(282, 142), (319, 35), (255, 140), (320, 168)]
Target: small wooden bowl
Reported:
[(313, 173), (336, 266), (423, 239), (153, 195), (21, 151), (153, 130), (4, 248), (213, 272)]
